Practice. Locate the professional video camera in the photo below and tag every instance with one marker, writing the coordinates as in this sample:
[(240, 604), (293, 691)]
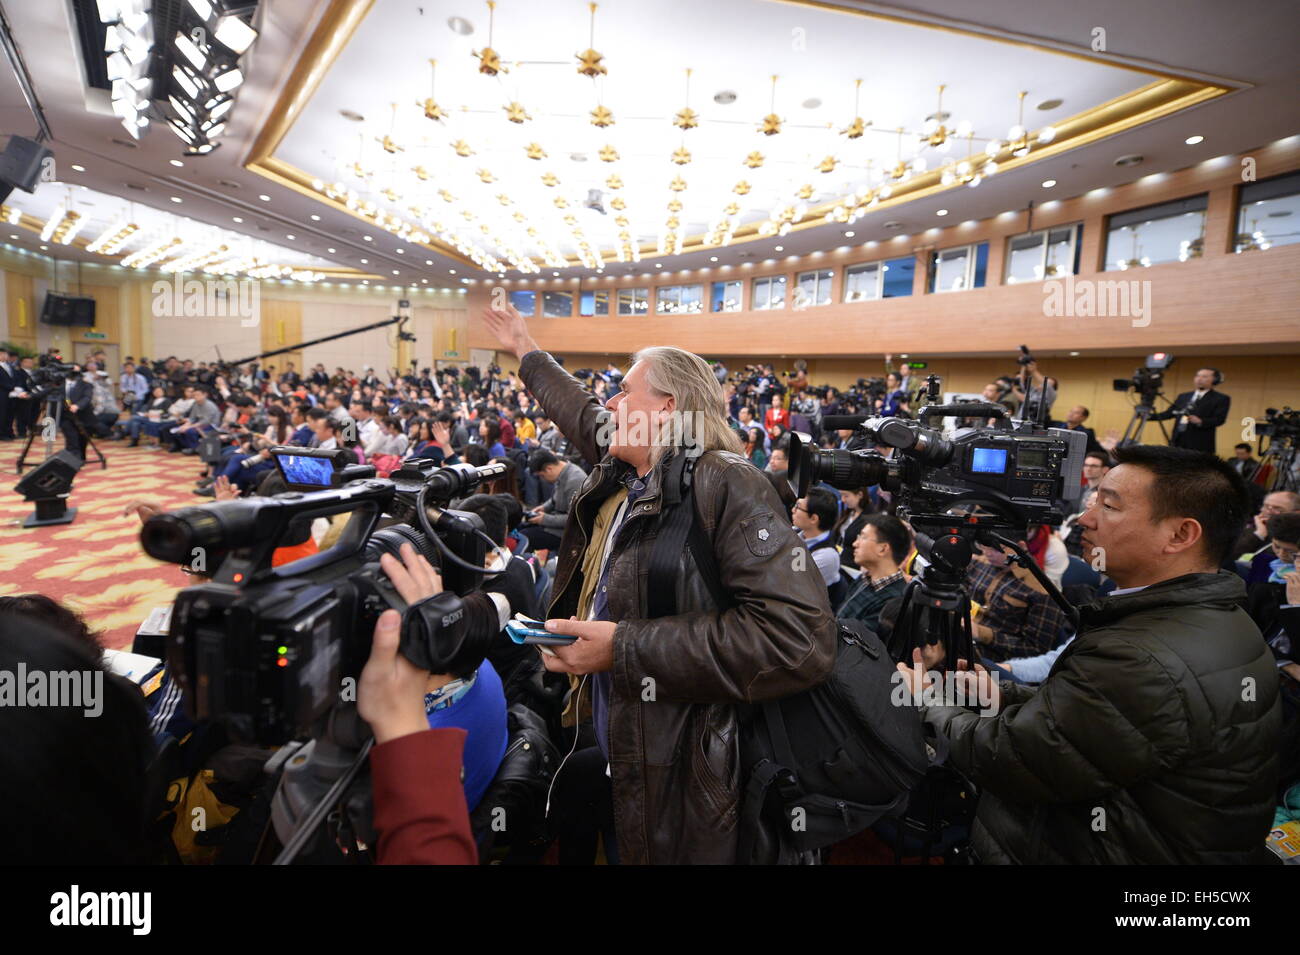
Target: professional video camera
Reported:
[(1279, 424), (266, 649), (865, 391), (979, 485), (1148, 380), (49, 375)]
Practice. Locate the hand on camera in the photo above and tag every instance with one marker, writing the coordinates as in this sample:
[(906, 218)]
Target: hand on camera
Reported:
[(390, 694), (413, 576)]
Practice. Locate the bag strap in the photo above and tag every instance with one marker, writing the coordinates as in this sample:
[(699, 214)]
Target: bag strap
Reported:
[(678, 528)]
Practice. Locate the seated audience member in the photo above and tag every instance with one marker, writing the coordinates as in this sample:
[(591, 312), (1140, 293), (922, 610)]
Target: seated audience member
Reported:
[(856, 505), (201, 417), (489, 432), (547, 520), (1142, 721), (148, 416), (753, 450), (1243, 461), (1274, 603), (814, 518), (1254, 537), (879, 549), (1016, 617), (1074, 420), (778, 461)]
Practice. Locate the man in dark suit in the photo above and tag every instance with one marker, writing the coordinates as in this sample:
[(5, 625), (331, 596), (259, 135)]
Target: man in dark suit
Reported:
[(1243, 461), (80, 396), (1198, 413), (23, 409), (7, 385)]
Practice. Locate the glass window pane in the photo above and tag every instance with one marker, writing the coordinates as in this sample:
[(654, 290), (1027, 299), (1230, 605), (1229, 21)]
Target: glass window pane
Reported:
[(557, 304), (692, 298), (725, 297), (981, 264), (897, 274), (805, 290), (1060, 253), (1150, 241), (1025, 258), (524, 302), (633, 301), (758, 295), (594, 302), (776, 291), (1265, 223), (862, 282), (950, 269), (667, 298)]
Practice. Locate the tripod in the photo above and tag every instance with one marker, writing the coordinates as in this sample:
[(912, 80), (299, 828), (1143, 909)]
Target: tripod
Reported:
[(53, 421), (1281, 457), (1141, 414)]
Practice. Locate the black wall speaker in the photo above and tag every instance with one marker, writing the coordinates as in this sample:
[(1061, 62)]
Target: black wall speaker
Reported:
[(20, 163)]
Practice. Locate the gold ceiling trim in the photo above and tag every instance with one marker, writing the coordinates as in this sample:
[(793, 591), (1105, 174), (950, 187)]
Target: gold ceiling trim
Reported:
[(1169, 94)]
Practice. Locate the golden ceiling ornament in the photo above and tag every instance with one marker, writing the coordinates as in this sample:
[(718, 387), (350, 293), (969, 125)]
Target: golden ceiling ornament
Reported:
[(938, 135), (678, 184), (589, 60), (686, 118), (485, 228), (519, 217), (391, 194), (755, 159), (828, 164), (672, 222), (732, 209), (389, 145), (608, 154), (489, 61), (357, 171), (771, 124), (462, 148), (417, 211), (741, 188), (805, 191), (485, 176), (515, 112), (900, 169), (675, 205), (618, 203), (431, 108), (561, 202), (602, 117), (570, 220), (421, 173), (859, 126), (467, 214), (682, 156), (620, 221), (531, 230), (446, 196), (535, 151), (503, 199), (614, 182), (550, 179), (625, 235)]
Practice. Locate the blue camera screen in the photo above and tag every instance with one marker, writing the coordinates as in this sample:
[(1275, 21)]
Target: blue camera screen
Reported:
[(299, 469), (989, 461)]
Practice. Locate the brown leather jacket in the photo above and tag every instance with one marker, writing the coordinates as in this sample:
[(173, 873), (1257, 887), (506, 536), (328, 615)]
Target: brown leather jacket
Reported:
[(674, 760)]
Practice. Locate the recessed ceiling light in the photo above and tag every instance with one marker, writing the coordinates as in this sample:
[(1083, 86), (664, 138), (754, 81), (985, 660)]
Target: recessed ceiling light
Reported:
[(176, 162), (289, 236), (1190, 140), (724, 97), (850, 234), (811, 103), (368, 238), (555, 273), (428, 261), (780, 248), (329, 250), (713, 258), (13, 236), (942, 212), (44, 247), (658, 265), (365, 261), (264, 198), (78, 168), (1048, 183), (315, 218), (401, 251), (460, 26), (1074, 354), (176, 199), (395, 272), (238, 219), (451, 271), (352, 115), (1130, 160)]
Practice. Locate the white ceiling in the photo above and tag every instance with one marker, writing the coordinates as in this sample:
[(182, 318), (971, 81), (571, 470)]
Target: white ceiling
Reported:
[(726, 43)]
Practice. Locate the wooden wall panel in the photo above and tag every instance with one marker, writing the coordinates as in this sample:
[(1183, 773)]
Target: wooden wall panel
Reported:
[(21, 310)]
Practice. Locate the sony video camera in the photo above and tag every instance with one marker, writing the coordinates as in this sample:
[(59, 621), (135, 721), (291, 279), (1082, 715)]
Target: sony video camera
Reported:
[(266, 648), (1279, 425), (1016, 475)]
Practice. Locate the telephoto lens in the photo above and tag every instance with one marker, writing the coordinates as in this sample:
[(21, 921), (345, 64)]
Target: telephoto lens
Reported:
[(174, 537)]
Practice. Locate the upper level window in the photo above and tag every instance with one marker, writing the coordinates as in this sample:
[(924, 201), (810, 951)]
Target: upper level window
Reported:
[(813, 288), (1045, 254), (557, 304), (1168, 232), (594, 302), (896, 277), (862, 282), (955, 270), (633, 301), (1269, 213), (725, 296), (678, 299), (768, 293), (524, 302)]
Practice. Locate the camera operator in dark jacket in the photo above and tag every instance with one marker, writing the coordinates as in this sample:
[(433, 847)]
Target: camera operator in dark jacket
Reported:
[(1154, 738), (666, 690)]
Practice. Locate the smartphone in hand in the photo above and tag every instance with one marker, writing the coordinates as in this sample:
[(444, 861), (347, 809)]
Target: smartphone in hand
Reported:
[(526, 630)]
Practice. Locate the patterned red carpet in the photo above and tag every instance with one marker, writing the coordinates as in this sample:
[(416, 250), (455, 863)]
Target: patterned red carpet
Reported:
[(95, 565)]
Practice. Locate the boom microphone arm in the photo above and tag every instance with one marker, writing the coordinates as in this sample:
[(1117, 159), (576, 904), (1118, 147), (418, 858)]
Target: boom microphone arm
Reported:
[(395, 320)]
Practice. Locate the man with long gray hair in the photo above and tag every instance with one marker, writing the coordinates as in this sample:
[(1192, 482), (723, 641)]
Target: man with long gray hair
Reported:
[(665, 691)]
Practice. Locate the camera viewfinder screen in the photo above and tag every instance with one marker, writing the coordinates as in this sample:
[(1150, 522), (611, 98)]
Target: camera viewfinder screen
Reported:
[(299, 469), (989, 461)]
